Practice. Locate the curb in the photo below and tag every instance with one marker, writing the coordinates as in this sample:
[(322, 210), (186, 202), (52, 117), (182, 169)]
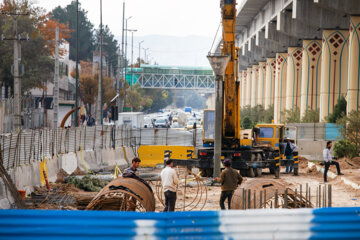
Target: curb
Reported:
[(351, 183), (332, 175)]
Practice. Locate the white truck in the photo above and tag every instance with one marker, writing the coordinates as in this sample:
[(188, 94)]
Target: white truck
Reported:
[(134, 119)]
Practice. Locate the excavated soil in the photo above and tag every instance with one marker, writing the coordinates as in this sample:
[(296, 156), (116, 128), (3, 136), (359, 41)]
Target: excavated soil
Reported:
[(342, 194)]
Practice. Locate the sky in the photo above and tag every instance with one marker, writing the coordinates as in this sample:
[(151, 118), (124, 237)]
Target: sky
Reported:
[(182, 19)]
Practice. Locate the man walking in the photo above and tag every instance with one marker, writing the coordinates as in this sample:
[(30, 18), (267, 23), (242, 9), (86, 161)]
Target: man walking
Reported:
[(169, 181), (289, 154), (329, 160), (229, 179)]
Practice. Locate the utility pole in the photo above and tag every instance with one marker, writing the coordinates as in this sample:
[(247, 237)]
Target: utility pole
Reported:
[(56, 80), (17, 82), (118, 99), (17, 75), (121, 64), (140, 52), (125, 59), (77, 67), (99, 115)]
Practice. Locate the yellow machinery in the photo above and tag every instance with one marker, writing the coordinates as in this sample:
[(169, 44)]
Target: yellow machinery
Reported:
[(250, 151), (231, 116)]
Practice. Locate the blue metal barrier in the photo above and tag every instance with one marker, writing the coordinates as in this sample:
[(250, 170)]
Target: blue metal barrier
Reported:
[(332, 131), (326, 223)]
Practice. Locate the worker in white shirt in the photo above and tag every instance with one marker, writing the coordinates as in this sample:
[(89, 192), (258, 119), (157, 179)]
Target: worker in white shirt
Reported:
[(169, 182), (329, 160)]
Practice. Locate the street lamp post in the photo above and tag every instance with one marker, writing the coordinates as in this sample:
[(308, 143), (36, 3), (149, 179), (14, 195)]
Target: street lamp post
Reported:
[(218, 64), (132, 54), (145, 56), (99, 114), (140, 52), (125, 59)]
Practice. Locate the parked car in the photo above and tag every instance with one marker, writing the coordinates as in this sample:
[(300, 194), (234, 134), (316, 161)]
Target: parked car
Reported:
[(177, 126), (162, 123)]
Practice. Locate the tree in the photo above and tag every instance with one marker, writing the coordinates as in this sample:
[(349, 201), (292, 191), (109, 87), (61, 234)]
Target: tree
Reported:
[(35, 54), (339, 110), (257, 114), (67, 15), (311, 116), (247, 123), (110, 47), (160, 99), (292, 116), (89, 85), (194, 100), (47, 29), (136, 98), (350, 130)]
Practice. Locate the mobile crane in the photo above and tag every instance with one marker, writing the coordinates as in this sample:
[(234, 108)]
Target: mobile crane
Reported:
[(251, 150)]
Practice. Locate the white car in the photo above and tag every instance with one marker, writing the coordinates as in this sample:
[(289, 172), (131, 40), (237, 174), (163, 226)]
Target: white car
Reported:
[(162, 123)]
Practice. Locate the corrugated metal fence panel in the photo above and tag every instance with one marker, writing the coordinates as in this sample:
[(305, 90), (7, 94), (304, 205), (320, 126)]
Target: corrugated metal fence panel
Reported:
[(332, 131), (284, 224)]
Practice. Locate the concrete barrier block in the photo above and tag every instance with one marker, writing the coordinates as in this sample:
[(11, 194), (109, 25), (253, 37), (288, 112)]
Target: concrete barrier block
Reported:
[(6, 199), (69, 163), (129, 153), (17, 174), (52, 169), (98, 157), (91, 160), (11, 173), (87, 161), (108, 158), (35, 172), (5, 203), (82, 165), (25, 178), (120, 158)]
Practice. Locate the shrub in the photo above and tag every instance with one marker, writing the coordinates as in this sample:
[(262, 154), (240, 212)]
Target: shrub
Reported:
[(345, 148)]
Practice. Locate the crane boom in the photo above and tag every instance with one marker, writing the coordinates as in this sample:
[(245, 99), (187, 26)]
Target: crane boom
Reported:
[(231, 115)]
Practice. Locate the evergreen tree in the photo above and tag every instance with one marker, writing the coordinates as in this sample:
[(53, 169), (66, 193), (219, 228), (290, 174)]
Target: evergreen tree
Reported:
[(339, 110), (67, 15)]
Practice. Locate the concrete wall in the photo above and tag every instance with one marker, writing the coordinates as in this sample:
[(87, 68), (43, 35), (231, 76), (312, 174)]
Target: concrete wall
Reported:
[(27, 176)]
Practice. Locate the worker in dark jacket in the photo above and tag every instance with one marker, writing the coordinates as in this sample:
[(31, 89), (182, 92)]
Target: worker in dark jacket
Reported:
[(229, 179), (131, 171)]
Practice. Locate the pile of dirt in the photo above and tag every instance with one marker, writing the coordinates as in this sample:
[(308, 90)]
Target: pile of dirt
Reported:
[(355, 162), (303, 162), (60, 178), (78, 172)]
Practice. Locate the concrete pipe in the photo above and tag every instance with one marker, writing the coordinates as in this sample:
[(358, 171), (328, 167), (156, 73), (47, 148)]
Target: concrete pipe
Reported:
[(124, 194)]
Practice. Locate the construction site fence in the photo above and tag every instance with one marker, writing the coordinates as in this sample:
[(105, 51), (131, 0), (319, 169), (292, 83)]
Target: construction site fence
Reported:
[(317, 131), (305, 223), (31, 115), (33, 145)]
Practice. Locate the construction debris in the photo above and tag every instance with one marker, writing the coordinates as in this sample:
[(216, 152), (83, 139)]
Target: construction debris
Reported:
[(124, 194), (87, 183)]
